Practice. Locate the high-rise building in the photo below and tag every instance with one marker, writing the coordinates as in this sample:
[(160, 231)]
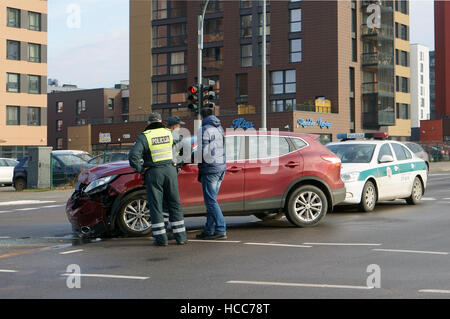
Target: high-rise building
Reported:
[(23, 76), (420, 88), (432, 87), (330, 64)]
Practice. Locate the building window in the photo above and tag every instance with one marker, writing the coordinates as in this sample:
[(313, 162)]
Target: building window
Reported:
[(13, 18), (13, 50), (159, 92), (242, 87), (159, 9), (261, 22), (13, 82), (421, 67), (59, 107), (177, 8), (296, 20), (81, 106), (213, 30), (246, 26), (34, 20), (34, 52), (213, 58), (178, 34), (178, 62), (246, 4), (422, 102), (215, 6), (34, 84), (295, 50), (402, 84), (110, 104), (246, 55), (402, 6), (286, 105), (34, 116), (159, 36), (401, 31), (177, 91), (402, 111), (12, 115), (282, 82), (421, 90), (402, 57), (59, 125), (160, 64), (59, 143)]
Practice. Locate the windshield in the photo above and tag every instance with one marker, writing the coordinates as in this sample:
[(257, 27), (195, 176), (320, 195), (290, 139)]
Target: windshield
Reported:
[(353, 153), (69, 160), (85, 156)]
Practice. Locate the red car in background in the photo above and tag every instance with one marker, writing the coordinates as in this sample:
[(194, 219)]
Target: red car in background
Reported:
[(268, 174)]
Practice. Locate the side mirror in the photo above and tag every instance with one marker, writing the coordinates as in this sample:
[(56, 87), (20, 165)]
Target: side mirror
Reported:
[(386, 159)]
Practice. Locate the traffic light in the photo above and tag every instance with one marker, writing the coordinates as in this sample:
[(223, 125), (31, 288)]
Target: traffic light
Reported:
[(208, 97), (193, 102)]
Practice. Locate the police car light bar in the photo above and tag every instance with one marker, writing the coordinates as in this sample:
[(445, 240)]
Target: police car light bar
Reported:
[(352, 136)]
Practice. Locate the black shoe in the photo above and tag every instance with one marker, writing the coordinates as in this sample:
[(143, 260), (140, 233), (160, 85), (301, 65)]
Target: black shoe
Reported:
[(218, 237), (155, 243), (203, 236), (181, 242)]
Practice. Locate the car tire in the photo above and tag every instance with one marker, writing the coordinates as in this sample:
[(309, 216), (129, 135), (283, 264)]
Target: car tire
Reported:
[(368, 197), (20, 184), (133, 215), (416, 192), (266, 216), (307, 206)]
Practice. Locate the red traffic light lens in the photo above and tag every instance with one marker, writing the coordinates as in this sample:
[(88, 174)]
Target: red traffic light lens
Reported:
[(193, 89)]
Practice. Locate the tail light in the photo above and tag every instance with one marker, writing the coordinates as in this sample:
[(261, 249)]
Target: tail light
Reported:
[(332, 159)]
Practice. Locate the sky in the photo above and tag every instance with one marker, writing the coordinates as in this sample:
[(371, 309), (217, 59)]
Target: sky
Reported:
[(89, 39)]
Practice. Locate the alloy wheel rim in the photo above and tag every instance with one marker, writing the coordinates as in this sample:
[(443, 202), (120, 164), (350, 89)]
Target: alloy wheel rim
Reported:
[(417, 192), (308, 206), (370, 197), (137, 215)]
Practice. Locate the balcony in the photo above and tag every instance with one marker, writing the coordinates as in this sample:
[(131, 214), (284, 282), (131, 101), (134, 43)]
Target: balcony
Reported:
[(386, 31), (374, 120), (385, 89), (376, 59)]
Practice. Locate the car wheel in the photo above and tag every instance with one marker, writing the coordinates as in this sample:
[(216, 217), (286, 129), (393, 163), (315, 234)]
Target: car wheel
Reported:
[(20, 184), (416, 193), (265, 216), (133, 215), (307, 206), (369, 197)]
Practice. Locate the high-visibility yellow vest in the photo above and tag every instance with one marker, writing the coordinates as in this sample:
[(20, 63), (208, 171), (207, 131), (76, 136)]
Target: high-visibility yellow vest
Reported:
[(160, 142)]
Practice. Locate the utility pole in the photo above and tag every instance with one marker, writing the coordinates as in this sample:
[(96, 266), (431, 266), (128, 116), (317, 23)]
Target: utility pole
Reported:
[(201, 19), (263, 75)]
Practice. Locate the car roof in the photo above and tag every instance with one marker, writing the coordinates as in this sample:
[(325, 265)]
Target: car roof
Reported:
[(275, 133), (360, 142), (69, 152)]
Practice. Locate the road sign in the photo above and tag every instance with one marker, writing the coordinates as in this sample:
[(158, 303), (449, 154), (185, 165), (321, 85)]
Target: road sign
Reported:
[(104, 137)]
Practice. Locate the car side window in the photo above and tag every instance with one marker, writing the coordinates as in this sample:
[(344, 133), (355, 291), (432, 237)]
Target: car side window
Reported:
[(2, 163), (10, 163), (384, 150), (298, 143), (407, 152), (400, 152), (267, 146), (233, 148)]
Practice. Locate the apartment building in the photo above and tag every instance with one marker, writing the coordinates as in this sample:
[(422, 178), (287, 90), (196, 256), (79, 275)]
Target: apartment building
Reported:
[(420, 88), (329, 70), (23, 76)]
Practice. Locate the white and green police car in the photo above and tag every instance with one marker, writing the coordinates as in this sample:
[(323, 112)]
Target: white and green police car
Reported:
[(378, 170)]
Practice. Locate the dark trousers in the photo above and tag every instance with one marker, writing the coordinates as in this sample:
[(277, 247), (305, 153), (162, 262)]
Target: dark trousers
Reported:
[(162, 190)]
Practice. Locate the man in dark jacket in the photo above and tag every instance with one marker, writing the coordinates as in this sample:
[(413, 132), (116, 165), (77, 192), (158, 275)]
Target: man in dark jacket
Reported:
[(212, 166), (154, 147)]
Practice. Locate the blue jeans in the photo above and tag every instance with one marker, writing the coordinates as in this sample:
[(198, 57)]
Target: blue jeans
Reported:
[(215, 223)]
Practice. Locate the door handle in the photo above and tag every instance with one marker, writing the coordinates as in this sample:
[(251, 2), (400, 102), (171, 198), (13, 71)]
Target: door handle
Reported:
[(292, 164), (234, 169)]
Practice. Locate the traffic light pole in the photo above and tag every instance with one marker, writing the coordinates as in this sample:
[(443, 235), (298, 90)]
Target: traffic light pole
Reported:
[(201, 19)]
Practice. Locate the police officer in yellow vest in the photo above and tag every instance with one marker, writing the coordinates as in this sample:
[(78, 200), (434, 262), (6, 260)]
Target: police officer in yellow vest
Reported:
[(154, 147)]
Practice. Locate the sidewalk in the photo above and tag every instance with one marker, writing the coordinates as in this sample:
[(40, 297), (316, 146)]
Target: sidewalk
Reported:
[(436, 167)]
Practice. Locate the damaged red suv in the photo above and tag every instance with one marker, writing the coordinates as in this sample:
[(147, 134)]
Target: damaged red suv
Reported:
[(268, 175)]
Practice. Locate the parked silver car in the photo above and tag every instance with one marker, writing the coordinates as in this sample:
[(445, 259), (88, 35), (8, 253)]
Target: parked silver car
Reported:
[(419, 151)]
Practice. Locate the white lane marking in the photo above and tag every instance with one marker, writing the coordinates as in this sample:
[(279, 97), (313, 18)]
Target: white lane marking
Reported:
[(278, 245), (26, 202), (342, 244), (288, 284), (4, 237), (6, 270), (412, 251), (446, 198), (428, 198), (435, 291), (71, 252), (53, 206), (106, 276), (6, 211), (26, 209), (214, 241)]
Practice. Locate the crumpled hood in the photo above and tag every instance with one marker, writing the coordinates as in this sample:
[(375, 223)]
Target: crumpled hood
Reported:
[(211, 120), (103, 170)]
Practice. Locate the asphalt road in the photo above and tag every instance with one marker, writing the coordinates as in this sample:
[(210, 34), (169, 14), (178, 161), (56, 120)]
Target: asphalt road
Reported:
[(409, 246)]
